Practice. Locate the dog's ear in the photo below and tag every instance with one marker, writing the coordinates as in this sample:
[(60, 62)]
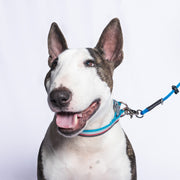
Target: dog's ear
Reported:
[(111, 42), (56, 43)]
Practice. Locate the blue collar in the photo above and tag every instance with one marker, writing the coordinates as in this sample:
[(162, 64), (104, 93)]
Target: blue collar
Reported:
[(96, 132)]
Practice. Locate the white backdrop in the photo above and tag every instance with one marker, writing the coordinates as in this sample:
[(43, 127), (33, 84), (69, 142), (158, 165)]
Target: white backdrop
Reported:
[(151, 65)]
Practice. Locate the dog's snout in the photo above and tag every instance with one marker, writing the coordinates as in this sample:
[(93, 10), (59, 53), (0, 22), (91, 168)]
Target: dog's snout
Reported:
[(60, 97)]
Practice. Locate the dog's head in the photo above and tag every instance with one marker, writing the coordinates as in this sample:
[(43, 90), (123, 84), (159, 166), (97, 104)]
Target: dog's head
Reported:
[(79, 83)]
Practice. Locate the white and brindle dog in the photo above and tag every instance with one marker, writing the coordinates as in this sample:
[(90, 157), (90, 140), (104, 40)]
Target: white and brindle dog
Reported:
[(79, 86)]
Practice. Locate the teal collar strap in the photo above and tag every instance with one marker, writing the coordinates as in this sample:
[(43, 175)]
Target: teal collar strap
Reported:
[(96, 132)]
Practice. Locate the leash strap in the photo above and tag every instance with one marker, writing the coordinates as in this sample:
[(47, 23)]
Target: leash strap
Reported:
[(160, 101), (140, 113), (126, 111)]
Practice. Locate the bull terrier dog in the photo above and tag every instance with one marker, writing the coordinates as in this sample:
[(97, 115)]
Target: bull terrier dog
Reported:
[(79, 87)]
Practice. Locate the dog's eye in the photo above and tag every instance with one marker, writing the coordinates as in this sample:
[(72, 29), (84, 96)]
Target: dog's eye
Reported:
[(89, 63), (54, 64)]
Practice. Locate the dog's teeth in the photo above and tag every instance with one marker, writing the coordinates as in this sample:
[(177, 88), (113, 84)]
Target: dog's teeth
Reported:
[(75, 119), (80, 115)]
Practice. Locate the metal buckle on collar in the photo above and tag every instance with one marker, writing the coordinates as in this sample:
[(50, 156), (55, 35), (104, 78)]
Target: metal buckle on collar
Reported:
[(116, 107)]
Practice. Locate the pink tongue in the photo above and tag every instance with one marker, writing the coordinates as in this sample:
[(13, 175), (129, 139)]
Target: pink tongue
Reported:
[(67, 121)]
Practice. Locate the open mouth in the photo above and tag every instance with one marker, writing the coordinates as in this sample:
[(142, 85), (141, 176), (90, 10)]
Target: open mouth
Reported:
[(70, 123)]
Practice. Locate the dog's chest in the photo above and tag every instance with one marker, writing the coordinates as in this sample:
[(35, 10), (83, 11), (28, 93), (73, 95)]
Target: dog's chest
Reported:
[(109, 163)]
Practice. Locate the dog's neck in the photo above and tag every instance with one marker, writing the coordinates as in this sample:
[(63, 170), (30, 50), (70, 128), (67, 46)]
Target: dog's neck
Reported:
[(103, 117)]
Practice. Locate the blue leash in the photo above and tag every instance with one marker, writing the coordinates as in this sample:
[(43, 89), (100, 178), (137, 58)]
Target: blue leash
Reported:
[(160, 101), (140, 113), (118, 113)]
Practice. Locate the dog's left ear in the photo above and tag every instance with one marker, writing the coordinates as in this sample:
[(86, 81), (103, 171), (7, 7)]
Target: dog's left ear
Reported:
[(56, 43), (111, 42)]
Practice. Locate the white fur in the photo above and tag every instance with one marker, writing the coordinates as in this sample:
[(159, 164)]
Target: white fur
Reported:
[(78, 158), (84, 83)]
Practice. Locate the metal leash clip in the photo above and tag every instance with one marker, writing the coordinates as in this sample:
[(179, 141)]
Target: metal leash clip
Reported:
[(131, 112)]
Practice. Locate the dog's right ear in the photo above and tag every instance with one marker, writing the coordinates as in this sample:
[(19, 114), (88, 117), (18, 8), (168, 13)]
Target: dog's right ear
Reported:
[(56, 43)]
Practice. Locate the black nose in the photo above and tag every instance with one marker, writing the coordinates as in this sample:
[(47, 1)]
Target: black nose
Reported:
[(60, 97)]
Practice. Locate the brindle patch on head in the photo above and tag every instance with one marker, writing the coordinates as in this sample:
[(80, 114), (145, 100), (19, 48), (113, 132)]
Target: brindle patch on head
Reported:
[(47, 78), (104, 67), (48, 75)]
